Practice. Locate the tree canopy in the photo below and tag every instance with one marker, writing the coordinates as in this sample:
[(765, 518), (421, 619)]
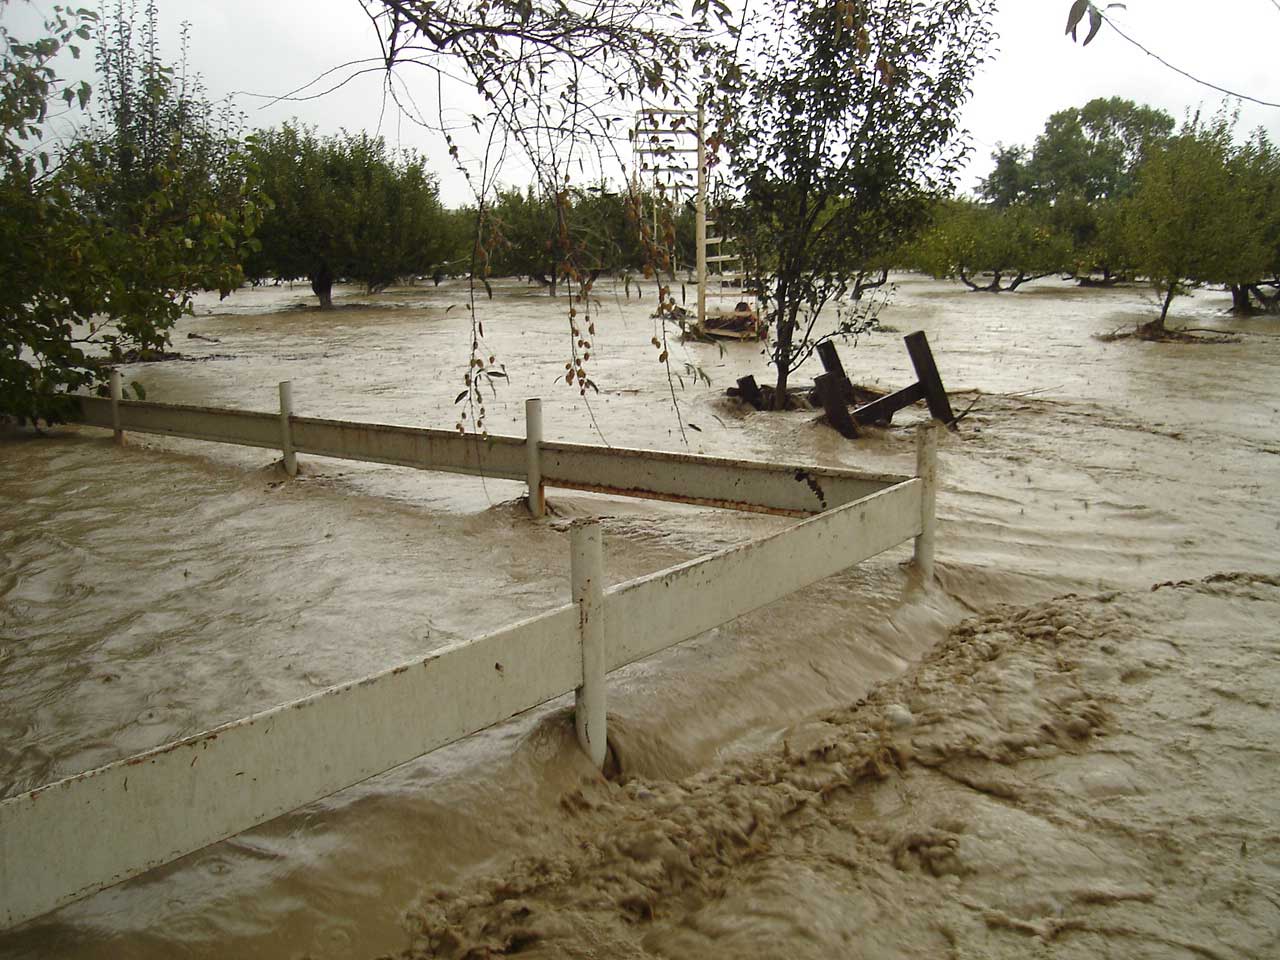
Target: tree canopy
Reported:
[(346, 207), (837, 139), (104, 242)]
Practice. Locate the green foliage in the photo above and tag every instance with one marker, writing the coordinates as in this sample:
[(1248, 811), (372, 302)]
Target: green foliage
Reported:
[(1005, 246), (345, 207), (1204, 212), (581, 233), (837, 139), (1086, 159), (103, 248)]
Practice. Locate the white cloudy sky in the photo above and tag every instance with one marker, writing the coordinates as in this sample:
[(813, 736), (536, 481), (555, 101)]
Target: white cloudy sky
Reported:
[(273, 46)]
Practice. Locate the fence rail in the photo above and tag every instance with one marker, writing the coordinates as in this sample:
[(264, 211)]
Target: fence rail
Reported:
[(791, 489), (65, 840)]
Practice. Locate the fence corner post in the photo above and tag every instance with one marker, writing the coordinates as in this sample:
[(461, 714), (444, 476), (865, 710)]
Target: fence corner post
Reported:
[(587, 576), (532, 443), (117, 393), (286, 430), (927, 471)]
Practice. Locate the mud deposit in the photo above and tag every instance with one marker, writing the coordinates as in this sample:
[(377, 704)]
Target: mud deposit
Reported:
[(1009, 796), (1066, 746)]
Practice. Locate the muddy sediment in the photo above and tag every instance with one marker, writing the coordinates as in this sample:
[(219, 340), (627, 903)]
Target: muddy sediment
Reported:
[(1008, 796), (1025, 773)]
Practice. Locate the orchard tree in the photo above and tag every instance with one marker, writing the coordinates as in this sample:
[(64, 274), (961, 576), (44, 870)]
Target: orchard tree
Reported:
[(592, 231), (1256, 168), (1190, 221), (1080, 167), (104, 243), (1092, 153), (527, 236), (345, 207), (990, 248), (837, 138)]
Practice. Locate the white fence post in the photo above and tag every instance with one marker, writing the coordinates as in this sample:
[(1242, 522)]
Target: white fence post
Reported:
[(532, 442), (587, 575), (117, 392), (286, 432), (927, 471)]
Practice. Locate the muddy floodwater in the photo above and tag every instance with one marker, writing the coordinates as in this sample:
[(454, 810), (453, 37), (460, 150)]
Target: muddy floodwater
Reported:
[(1066, 746)]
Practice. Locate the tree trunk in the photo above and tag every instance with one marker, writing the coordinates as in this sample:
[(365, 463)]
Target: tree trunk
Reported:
[(322, 286), (782, 351), (1240, 303), (1155, 329), (1270, 302)]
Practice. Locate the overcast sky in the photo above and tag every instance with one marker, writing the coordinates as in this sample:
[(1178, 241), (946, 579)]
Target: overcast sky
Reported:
[(274, 46)]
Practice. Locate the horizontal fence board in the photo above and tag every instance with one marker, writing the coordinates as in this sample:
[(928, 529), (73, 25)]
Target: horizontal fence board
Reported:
[(494, 456), (71, 838), (792, 489), (649, 614), (741, 484), (243, 427)]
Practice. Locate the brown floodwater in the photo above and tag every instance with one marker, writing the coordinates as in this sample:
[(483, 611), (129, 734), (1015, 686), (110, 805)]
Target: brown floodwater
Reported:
[(153, 591)]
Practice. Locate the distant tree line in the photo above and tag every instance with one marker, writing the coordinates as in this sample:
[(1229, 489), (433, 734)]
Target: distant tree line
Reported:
[(1110, 192)]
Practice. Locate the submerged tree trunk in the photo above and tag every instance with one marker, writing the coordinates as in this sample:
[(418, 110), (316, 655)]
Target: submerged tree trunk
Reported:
[(1155, 329), (992, 287), (1270, 303), (864, 282), (322, 286), (1022, 278), (1240, 304), (782, 351)]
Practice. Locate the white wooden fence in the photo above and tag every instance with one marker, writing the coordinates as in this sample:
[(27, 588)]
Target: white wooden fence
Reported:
[(68, 839)]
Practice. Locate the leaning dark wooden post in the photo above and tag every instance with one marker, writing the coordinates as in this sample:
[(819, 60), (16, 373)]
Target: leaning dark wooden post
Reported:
[(831, 393), (831, 363), (749, 390), (927, 471), (935, 393)]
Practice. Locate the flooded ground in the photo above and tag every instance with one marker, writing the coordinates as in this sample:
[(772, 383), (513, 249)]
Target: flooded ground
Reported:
[(150, 592)]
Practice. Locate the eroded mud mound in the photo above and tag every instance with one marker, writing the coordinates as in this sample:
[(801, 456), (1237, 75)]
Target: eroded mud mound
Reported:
[(1091, 776)]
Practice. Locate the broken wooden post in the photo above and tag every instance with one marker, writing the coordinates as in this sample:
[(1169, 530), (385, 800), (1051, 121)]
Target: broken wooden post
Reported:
[(117, 392), (935, 394), (927, 387), (882, 410), (749, 390), (532, 443), (831, 363), (831, 393), (586, 572)]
